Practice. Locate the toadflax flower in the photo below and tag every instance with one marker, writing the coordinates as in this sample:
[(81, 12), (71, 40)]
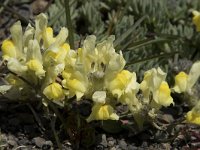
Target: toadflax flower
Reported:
[(123, 85), (37, 56), (91, 66), (34, 59), (154, 84), (184, 82), (163, 95), (102, 112), (14, 51), (193, 116), (54, 91), (196, 19), (8, 49)]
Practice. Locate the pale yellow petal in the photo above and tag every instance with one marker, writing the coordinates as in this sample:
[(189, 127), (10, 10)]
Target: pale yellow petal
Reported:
[(181, 81), (196, 19), (163, 95), (8, 49), (40, 26), (102, 112), (193, 74), (99, 97), (15, 66), (193, 117), (54, 92), (37, 67), (17, 37)]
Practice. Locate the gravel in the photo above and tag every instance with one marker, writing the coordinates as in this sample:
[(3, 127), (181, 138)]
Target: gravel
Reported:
[(17, 132)]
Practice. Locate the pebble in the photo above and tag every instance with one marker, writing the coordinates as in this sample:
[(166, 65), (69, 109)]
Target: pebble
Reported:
[(195, 144), (111, 143), (113, 148), (12, 143), (11, 137), (99, 147), (123, 144), (144, 144), (132, 147), (104, 140), (38, 141), (23, 141), (47, 145)]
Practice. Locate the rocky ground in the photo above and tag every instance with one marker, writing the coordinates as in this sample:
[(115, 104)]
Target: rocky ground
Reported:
[(20, 129)]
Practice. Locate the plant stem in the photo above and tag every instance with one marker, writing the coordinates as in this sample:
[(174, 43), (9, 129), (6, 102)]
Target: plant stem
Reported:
[(53, 121), (69, 24)]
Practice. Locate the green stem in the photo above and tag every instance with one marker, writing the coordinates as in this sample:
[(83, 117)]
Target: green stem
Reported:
[(53, 121), (69, 24), (36, 118)]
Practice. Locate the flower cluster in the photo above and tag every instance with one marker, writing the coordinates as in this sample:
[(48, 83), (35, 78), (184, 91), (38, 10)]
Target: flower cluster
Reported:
[(184, 83), (41, 63)]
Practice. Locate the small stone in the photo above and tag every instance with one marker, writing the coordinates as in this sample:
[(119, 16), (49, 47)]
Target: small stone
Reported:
[(23, 141), (144, 144), (123, 145), (99, 147), (38, 141), (195, 144), (12, 143), (104, 141), (132, 147), (118, 147), (113, 148), (3, 137), (111, 143), (12, 137), (47, 145)]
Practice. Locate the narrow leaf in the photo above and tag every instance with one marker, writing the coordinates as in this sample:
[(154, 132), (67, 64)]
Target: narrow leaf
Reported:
[(151, 58), (128, 32), (146, 42)]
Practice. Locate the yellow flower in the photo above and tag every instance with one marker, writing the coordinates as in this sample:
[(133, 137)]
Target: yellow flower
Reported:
[(154, 83), (163, 95), (196, 19), (184, 82), (36, 66), (48, 37), (124, 82), (181, 81), (8, 49), (57, 55), (193, 116), (75, 86), (54, 92), (102, 112), (151, 83)]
